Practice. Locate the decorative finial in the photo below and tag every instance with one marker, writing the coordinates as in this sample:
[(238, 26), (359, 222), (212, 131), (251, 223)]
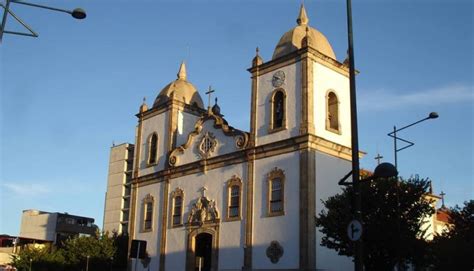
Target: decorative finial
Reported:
[(143, 107), (302, 18), (257, 60), (215, 100), (182, 71)]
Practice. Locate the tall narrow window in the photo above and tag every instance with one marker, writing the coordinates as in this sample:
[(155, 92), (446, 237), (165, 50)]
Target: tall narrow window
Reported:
[(332, 121), (148, 203), (177, 200), (276, 181), (276, 199), (278, 110), (234, 192), (234, 202), (177, 210), (153, 149)]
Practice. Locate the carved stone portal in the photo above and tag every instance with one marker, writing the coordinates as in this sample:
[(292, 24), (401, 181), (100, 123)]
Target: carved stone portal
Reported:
[(203, 211), (274, 251)]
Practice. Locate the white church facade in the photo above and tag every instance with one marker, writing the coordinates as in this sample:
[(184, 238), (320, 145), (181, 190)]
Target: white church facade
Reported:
[(203, 193)]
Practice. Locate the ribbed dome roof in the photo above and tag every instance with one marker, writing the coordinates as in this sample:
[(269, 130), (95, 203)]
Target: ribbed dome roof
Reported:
[(291, 40), (180, 90)]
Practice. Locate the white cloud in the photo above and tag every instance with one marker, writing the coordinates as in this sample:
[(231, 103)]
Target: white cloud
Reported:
[(388, 99), (27, 189)]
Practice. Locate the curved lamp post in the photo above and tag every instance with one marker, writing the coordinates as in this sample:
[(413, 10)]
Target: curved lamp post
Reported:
[(432, 115), (77, 13)]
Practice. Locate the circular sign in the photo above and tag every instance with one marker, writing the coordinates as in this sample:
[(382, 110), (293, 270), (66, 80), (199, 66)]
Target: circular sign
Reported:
[(354, 230)]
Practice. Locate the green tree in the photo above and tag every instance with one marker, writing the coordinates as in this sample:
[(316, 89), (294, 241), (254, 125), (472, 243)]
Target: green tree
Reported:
[(393, 217), (72, 256), (453, 249)]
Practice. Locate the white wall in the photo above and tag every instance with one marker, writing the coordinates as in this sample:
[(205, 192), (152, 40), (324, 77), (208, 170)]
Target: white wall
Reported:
[(225, 144), (292, 87), (152, 237), (325, 79), (186, 124), (231, 237), (158, 124), (284, 229), (329, 170)]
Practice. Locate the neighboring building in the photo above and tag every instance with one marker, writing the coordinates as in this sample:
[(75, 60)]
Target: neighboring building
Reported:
[(117, 197), (54, 227), (205, 193)]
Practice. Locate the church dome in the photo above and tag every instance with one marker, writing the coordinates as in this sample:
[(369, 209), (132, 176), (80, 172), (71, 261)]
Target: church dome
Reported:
[(291, 40), (181, 90)]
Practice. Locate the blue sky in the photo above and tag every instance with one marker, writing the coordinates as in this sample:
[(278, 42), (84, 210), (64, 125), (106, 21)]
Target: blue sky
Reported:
[(67, 95)]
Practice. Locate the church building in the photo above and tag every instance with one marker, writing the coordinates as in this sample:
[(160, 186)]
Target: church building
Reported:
[(203, 194)]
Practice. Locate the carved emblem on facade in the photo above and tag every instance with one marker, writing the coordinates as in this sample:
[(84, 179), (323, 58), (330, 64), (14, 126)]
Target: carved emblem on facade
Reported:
[(203, 211), (207, 145), (274, 251)]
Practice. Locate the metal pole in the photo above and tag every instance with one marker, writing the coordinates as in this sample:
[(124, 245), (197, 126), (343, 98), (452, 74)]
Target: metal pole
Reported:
[(395, 145), (358, 259), (136, 258), (4, 19), (87, 263)]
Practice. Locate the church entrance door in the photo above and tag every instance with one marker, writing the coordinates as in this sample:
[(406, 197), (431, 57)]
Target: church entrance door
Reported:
[(203, 251)]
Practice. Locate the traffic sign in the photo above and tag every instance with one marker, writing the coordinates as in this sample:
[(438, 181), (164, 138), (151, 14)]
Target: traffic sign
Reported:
[(354, 230)]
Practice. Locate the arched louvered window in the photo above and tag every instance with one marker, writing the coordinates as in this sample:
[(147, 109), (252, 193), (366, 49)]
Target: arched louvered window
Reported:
[(153, 149), (332, 114), (278, 112)]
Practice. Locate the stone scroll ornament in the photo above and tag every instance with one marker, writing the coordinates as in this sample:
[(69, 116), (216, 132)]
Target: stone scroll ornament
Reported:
[(274, 251)]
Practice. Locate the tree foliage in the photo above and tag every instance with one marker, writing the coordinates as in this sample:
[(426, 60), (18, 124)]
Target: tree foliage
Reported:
[(453, 250), (104, 252), (393, 215)]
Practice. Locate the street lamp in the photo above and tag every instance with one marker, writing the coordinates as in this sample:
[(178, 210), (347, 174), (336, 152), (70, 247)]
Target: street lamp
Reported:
[(432, 115), (357, 201), (77, 13)]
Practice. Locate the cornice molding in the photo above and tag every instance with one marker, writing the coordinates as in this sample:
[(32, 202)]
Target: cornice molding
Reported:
[(307, 141)]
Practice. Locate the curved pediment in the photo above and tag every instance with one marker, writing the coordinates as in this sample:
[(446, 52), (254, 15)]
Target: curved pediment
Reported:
[(211, 137)]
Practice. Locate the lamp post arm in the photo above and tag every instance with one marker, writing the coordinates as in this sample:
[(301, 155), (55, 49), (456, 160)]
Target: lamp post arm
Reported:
[(32, 32), (41, 6), (409, 125), (4, 18)]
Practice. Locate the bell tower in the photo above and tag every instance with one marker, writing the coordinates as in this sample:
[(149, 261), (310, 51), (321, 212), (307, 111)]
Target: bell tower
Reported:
[(300, 116)]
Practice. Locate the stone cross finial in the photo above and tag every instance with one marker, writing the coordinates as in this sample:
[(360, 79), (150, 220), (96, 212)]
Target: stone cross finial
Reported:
[(378, 158), (209, 93), (442, 194)]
